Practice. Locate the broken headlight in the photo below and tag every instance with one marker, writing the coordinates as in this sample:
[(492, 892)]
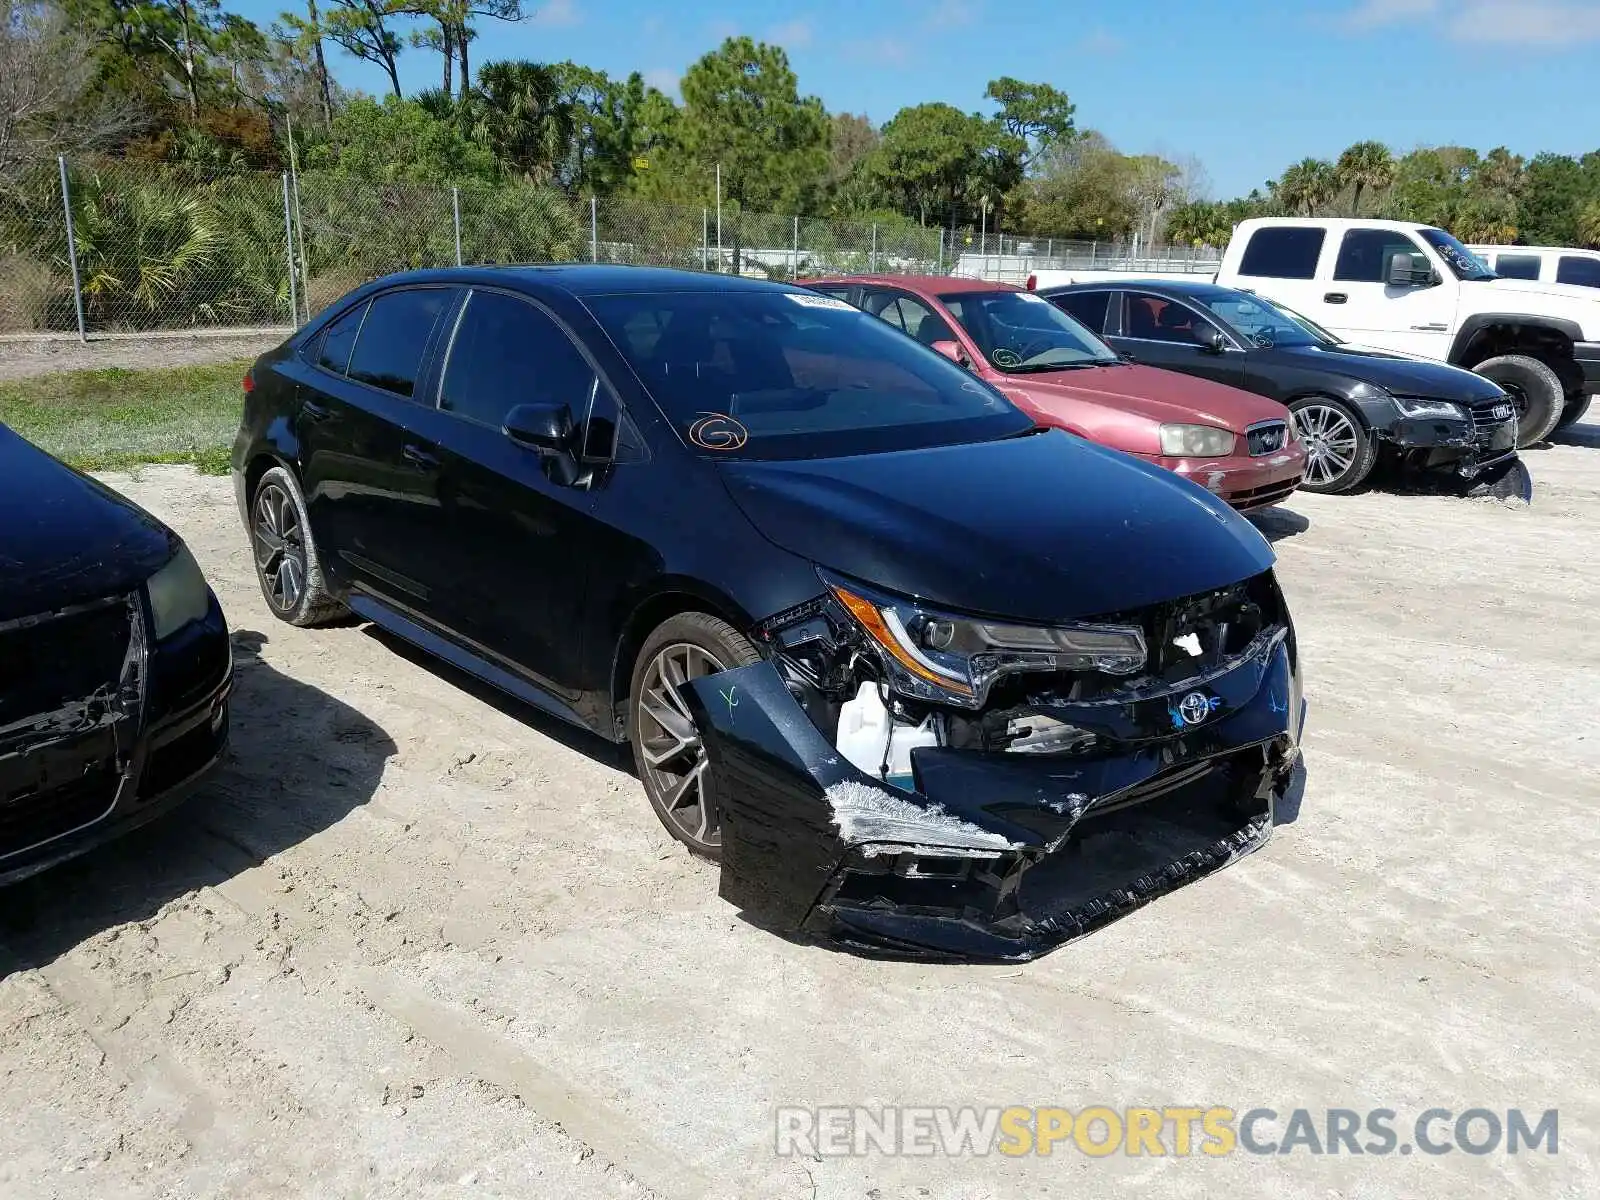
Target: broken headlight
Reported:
[(1416, 406), (178, 594), (952, 659)]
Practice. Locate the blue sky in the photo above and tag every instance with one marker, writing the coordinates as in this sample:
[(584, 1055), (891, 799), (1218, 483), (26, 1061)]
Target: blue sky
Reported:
[(1247, 86)]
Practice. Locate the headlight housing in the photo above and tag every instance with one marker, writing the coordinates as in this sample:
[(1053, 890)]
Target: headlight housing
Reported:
[(1196, 441), (952, 659), (1415, 406), (178, 594)]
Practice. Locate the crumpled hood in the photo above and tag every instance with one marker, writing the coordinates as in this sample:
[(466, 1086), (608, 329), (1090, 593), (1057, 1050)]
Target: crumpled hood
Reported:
[(66, 539), (1162, 396), (1567, 301), (1402, 374), (1041, 528)]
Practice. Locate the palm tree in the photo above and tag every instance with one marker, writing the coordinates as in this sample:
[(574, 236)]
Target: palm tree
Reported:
[(1364, 165), (517, 111), (1589, 224), (1307, 185)]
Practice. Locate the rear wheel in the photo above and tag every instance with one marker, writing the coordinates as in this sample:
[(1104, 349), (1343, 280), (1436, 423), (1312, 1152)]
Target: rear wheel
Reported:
[(1573, 411), (1535, 392), (287, 564), (1340, 450), (667, 751)]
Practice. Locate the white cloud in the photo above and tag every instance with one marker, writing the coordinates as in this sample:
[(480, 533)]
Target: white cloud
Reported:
[(1101, 41), (556, 13), (792, 35), (952, 12), (1494, 22), (884, 51)]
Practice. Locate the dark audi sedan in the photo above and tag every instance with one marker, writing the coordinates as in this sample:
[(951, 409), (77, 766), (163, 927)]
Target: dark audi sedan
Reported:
[(115, 666), (927, 680), (1349, 404)]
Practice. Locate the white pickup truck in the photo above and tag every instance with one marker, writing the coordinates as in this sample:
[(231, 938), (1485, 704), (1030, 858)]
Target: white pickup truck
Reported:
[(1414, 289)]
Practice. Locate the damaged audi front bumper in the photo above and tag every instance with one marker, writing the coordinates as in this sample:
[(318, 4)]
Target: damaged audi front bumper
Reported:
[(998, 853), (108, 728)]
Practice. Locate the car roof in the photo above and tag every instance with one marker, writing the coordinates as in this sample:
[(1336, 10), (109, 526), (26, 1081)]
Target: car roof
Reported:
[(937, 285), (1336, 224), (1200, 289), (1579, 250), (593, 279)]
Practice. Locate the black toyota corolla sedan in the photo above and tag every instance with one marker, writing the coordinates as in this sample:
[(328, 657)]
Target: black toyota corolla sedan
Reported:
[(114, 664), (926, 679), (1349, 403)]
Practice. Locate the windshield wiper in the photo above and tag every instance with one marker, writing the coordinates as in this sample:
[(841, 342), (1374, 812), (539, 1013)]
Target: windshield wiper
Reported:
[(1036, 368)]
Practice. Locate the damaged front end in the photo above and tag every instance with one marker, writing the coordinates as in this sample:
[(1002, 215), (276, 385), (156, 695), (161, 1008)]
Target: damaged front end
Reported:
[(916, 783)]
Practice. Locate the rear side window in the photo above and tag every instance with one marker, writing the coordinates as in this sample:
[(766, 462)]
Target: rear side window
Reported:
[(1283, 252), (339, 339), (1517, 266), (1365, 254), (393, 338), (1575, 269), (1088, 307), (506, 352)]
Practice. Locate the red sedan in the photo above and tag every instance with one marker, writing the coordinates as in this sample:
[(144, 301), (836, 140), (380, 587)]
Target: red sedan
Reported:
[(1231, 442)]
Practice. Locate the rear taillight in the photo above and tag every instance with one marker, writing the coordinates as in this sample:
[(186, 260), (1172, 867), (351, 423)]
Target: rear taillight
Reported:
[(249, 382), (1033, 282)]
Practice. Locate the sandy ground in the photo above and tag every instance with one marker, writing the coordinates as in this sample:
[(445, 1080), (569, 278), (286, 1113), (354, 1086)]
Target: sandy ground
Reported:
[(419, 942), (21, 356)]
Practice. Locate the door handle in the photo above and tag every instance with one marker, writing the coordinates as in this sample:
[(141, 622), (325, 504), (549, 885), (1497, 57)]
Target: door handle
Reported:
[(418, 457), (312, 411), (1434, 328), (1335, 297)]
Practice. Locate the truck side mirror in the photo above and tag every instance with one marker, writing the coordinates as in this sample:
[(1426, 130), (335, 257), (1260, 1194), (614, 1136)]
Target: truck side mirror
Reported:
[(1403, 271)]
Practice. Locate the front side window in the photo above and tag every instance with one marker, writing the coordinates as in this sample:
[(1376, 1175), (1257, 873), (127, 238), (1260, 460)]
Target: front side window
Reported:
[(506, 352), (1283, 252), (1259, 322), (339, 339), (767, 374), (1365, 255), (1574, 268), (388, 353), (1517, 266), (910, 314), (1021, 333), (1157, 319)]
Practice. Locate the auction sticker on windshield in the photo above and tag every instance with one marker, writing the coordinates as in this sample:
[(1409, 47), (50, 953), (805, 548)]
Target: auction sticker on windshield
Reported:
[(808, 300)]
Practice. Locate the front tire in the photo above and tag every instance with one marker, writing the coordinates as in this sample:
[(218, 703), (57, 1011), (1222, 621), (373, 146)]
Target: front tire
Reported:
[(1340, 449), (288, 566), (1534, 389), (667, 751)]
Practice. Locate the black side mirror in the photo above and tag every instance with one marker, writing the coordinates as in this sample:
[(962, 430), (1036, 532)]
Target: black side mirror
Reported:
[(542, 428), (1212, 341)]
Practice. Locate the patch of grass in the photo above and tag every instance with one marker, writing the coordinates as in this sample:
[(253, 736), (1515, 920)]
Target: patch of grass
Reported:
[(116, 417)]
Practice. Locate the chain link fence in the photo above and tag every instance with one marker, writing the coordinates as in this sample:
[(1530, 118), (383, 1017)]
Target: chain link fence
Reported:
[(168, 249)]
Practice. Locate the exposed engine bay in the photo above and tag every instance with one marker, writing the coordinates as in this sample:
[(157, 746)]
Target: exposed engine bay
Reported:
[(913, 782)]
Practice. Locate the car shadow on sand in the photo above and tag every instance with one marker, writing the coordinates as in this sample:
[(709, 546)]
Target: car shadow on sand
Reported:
[(591, 745), (1582, 434), (1276, 524), (298, 761)]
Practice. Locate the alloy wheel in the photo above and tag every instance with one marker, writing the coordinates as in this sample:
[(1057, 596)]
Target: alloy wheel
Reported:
[(1330, 439), (280, 547), (670, 743)]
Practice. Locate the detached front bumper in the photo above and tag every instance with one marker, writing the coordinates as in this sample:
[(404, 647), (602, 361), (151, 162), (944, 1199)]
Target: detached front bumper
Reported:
[(1243, 481), (995, 856)]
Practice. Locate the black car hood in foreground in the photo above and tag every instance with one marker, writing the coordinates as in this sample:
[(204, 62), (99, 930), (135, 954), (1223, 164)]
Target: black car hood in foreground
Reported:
[(65, 538), (1394, 372), (1041, 528)]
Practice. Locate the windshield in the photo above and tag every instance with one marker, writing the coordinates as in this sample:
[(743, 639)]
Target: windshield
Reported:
[(1461, 261), (757, 374), (1019, 332), (1259, 322)]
